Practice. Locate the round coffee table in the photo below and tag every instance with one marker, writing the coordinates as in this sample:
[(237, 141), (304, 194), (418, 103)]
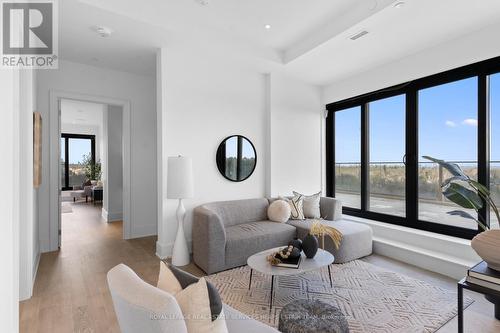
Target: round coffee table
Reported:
[(259, 263)]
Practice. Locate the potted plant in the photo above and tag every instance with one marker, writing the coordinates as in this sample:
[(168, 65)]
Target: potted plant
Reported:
[(92, 168), (470, 194)]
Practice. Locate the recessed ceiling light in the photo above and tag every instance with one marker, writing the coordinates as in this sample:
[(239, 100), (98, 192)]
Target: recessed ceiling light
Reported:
[(203, 2), (267, 26), (399, 4)]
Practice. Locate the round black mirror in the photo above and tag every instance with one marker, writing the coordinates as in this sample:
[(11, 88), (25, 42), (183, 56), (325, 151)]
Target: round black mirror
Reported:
[(236, 158)]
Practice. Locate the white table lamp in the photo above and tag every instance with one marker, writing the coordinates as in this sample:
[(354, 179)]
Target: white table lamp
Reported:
[(180, 186)]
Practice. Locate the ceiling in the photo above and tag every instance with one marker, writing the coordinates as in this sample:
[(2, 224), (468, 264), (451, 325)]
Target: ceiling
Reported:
[(308, 39), (81, 113)]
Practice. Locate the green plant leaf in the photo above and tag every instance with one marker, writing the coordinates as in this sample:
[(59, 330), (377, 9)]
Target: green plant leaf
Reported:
[(480, 187), (453, 168), (453, 179), (462, 196), (461, 213)]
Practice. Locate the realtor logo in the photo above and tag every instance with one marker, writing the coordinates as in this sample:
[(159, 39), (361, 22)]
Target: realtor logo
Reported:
[(29, 34)]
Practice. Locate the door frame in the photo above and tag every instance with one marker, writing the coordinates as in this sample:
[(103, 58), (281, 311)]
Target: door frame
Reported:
[(55, 97)]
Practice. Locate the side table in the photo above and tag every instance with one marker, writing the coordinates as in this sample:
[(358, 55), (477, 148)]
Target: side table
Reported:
[(97, 194), (463, 284)]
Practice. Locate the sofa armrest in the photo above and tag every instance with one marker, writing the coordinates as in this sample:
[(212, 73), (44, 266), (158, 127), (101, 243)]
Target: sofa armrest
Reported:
[(331, 208), (209, 240)]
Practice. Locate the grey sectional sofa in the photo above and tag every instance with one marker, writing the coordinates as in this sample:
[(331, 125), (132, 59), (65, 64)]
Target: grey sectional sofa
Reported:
[(226, 233)]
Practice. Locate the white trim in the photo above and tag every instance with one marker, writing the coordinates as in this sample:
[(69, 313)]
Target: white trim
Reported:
[(35, 270), (447, 255), (164, 251), (111, 217), (54, 127)]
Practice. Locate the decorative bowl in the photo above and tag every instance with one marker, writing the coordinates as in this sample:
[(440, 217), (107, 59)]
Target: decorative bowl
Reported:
[(487, 246)]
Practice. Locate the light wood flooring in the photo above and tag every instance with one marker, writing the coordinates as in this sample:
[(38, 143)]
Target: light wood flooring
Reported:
[(71, 294)]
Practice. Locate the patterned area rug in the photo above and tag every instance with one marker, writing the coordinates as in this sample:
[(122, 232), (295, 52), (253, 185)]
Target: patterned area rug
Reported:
[(373, 299)]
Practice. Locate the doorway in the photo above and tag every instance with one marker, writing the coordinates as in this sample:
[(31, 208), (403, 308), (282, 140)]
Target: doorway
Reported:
[(65, 173)]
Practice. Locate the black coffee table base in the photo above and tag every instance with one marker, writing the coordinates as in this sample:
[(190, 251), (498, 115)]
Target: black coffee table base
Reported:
[(272, 285)]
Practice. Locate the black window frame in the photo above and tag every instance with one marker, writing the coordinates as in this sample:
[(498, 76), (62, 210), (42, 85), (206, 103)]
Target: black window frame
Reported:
[(66, 137), (482, 70)]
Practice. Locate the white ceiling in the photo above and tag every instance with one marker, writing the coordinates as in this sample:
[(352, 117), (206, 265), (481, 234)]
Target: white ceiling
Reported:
[(81, 113), (308, 39)]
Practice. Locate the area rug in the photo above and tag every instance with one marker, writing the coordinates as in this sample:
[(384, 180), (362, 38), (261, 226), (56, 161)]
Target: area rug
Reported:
[(372, 298)]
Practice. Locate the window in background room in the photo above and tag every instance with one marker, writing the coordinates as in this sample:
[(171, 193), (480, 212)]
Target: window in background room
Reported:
[(348, 156), (62, 162), (447, 130), (79, 150), (387, 152), (76, 151)]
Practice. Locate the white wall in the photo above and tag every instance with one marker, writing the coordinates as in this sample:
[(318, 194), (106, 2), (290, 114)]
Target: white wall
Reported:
[(140, 91), (9, 203), (113, 175), (296, 117), (28, 196), (468, 49), (202, 100)]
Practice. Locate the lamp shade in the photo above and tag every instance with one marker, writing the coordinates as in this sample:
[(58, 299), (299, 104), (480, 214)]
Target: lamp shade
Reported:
[(180, 178)]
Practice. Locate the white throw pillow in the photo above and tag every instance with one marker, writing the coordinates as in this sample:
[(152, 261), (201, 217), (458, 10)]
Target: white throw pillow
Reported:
[(296, 205), (311, 205), (194, 301), (195, 307), (279, 211)]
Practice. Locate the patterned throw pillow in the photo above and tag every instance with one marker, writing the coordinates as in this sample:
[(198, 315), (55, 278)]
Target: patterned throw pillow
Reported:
[(296, 204), (311, 205), (198, 299)]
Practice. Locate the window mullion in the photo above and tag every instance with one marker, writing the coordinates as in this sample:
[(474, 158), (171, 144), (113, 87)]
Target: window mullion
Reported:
[(483, 140), (365, 157)]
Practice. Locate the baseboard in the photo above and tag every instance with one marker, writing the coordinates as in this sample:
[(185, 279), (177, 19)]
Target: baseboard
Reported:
[(35, 269), (434, 262), (164, 251), (446, 255), (111, 216), (143, 231)]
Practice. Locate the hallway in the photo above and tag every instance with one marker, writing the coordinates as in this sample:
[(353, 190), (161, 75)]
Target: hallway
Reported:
[(70, 292)]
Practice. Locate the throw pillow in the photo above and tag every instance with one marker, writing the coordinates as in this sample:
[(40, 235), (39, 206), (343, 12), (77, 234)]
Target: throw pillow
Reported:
[(311, 205), (279, 211), (296, 205), (198, 299)]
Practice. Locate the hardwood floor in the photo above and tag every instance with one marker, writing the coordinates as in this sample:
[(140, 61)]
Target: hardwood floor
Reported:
[(71, 294)]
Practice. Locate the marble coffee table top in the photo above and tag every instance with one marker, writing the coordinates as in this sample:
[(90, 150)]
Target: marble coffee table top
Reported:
[(259, 263)]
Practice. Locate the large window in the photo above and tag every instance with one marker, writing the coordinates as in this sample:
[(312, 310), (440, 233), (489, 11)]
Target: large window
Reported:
[(447, 129), (76, 149), (348, 161), (387, 152), (376, 143)]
